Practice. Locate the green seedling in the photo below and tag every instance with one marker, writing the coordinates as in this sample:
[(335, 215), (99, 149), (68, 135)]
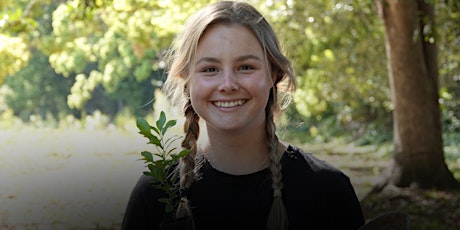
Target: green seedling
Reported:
[(161, 162)]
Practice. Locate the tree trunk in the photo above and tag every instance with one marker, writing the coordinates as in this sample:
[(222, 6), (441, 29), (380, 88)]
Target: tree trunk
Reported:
[(418, 158)]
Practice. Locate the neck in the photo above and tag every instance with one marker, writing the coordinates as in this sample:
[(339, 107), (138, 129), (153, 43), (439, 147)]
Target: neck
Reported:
[(236, 153)]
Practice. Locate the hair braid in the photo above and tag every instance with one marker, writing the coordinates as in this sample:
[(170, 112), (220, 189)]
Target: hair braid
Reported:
[(187, 163), (277, 218)]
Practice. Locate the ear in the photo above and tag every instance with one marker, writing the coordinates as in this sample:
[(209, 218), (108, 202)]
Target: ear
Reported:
[(274, 75), (186, 89)]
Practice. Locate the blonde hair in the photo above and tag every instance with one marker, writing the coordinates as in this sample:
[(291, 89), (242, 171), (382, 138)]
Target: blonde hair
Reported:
[(182, 54)]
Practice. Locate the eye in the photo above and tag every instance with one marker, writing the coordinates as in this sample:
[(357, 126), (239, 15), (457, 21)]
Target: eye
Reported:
[(246, 67), (209, 69)]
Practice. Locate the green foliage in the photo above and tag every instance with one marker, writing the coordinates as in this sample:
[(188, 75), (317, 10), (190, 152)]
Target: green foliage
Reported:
[(14, 55), (448, 27), (19, 23), (37, 90), (337, 49), (124, 39), (161, 163)]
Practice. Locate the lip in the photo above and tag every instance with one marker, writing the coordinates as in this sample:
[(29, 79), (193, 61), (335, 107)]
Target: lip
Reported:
[(229, 103)]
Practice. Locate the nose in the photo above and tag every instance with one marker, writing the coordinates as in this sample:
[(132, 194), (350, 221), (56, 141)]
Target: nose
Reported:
[(228, 81)]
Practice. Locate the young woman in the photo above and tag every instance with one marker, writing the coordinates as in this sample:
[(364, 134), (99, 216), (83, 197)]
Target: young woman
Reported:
[(228, 70)]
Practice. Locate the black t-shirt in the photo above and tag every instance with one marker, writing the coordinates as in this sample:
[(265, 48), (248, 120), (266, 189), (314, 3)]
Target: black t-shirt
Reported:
[(316, 196)]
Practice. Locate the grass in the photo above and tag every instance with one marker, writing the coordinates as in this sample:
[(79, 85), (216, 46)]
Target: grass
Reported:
[(80, 177)]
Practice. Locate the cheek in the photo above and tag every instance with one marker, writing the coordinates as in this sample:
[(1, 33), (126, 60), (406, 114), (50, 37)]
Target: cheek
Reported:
[(266, 89), (197, 91), (201, 85), (261, 85), (192, 87)]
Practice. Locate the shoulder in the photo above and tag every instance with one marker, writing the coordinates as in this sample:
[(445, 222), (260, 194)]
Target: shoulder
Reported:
[(146, 192), (144, 185), (311, 182), (296, 157), (299, 165), (144, 211), (145, 195)]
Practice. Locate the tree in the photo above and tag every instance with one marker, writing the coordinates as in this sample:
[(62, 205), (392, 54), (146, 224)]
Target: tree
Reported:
[(37, 90), (418, 158), (114, 44), (13, 48), (336, 49)]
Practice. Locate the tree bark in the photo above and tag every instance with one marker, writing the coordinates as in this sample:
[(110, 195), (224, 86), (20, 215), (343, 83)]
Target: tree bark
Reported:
[(418, 158)]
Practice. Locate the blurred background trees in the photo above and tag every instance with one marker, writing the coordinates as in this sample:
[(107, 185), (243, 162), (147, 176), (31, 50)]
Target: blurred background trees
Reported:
[(75, 57), (411, 47)]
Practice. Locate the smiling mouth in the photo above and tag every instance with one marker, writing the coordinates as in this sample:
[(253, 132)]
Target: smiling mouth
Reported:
[(229, 104)]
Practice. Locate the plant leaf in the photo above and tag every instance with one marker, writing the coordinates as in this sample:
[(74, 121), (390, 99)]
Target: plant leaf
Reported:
[(184, 152), (154, 140), (155, 129), (161, 121), (163, 200), (147, 156), (169, 208), (147, 173), (168, 125), (143, 126)]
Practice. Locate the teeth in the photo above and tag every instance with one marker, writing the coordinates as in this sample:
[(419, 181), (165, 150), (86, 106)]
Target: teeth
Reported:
[(228, 104)]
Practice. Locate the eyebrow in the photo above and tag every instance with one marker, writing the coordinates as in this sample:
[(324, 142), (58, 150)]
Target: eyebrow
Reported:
[(247, 57), (241, 58)]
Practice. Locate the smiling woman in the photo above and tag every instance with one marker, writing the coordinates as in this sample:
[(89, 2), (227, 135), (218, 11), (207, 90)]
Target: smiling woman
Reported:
[(230, 85), (227, 69)]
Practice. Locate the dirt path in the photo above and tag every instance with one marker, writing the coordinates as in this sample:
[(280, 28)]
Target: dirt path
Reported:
[(78, 180)]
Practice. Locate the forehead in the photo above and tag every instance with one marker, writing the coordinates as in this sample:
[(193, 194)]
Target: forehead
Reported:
[(233, 37)]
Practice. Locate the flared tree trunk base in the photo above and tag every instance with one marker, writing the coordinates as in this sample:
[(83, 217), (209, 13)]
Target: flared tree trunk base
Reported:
[(411, 175)]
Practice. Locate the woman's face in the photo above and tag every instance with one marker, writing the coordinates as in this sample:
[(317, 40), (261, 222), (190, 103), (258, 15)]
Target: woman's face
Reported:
[(229, 83)]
